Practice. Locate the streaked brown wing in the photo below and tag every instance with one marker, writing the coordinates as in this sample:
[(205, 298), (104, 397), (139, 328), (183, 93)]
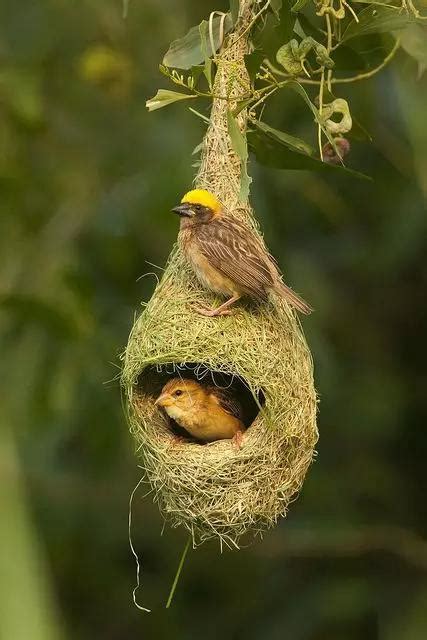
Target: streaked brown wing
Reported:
[(228, 402), (235, 252)]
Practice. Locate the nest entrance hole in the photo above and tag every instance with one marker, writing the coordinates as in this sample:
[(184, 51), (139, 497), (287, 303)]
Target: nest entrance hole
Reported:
[(153, 378)]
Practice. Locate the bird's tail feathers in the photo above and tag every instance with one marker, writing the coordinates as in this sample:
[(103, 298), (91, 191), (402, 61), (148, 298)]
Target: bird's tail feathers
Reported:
[(290, 296)]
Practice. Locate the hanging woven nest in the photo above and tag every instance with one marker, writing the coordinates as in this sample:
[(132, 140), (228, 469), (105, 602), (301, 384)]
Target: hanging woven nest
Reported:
[(217, 490)]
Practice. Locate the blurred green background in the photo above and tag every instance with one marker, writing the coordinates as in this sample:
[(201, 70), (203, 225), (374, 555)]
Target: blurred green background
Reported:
[(87, 179)]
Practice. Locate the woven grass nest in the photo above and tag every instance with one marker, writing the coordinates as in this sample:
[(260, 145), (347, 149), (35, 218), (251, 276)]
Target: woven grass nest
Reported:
[(217, 490)]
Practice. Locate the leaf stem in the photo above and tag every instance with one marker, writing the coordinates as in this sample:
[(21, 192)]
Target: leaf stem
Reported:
[(319, 126)]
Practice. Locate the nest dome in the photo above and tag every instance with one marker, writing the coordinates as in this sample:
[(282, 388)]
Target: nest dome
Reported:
[(216, 489)]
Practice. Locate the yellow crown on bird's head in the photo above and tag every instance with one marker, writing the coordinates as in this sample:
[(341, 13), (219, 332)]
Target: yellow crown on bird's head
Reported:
[(202, 197)]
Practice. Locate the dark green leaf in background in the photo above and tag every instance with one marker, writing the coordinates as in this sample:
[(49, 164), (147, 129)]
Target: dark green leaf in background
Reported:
[(377, 19), (279, 150), (253, 62), (234, 10), (413, 40), (206, 50), (299, 4)]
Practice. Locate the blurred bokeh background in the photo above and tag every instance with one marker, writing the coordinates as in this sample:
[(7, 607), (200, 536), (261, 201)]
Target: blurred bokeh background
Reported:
[(87, 178)]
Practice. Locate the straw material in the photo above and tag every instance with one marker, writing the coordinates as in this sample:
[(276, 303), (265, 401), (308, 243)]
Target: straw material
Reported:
[(217, 490)]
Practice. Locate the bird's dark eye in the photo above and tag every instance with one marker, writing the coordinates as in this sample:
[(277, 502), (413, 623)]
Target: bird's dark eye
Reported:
[(178, 392)]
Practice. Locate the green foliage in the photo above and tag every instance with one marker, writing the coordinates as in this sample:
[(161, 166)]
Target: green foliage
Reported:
[(164, 97), (195, 47), (377, 19), (310, 49), (414, 42), (239, 144), (86, 187)]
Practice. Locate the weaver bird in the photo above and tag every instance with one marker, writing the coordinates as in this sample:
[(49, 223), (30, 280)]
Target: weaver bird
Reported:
[(205, 412), (226, 255)]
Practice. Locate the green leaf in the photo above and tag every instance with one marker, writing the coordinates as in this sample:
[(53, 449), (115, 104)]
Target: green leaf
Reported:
[(414, 41), (234, 10), (253, 62), (164, 97), (240, 147), (271, 151), (186, 52), (298, 88), (208, 62), (296, 144), (358, 131), (241, 105), (196, 72), (362, 54), (305, 28), (377, 19), (285, 28), (299, 4)]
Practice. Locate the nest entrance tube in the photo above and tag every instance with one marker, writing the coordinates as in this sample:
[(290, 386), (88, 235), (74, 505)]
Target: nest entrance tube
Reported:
[(151, 381), (217, 490)]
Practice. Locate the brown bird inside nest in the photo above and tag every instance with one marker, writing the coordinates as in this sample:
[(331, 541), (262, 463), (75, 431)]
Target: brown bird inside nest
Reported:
[(227, 256), (208, 413)]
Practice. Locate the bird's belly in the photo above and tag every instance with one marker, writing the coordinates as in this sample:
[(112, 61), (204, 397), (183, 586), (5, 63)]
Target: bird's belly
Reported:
[(209, 277), (211, 428)]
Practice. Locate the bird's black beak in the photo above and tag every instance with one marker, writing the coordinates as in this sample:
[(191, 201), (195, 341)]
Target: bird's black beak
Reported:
[(183, 210)]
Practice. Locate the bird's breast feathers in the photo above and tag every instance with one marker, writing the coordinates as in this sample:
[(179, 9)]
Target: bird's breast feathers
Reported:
[(207, 274), (228, 258)]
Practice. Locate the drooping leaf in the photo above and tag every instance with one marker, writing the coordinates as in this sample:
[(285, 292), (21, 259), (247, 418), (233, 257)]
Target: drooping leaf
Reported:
[(304, 27), (414, 41), (253, 62), (362, 54), (241, 105), (299, 4), (186, 52), (285, 28), (299, 89), (206, 53), (377, 19), (273, 152), (199, 115), (296, 144), (234, 10), (358, 131), (164, 97), (275, 32), (240, 147)]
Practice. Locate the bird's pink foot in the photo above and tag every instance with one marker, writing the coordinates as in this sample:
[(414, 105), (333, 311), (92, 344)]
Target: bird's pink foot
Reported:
[(211, 313), (237, 440), (177, 440)]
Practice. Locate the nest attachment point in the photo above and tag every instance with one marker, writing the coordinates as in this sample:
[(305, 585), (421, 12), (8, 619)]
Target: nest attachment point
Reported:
[(217, 490)]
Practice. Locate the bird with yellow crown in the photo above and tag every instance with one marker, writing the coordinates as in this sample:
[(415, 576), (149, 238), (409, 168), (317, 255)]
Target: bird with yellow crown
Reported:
[(226, 255)]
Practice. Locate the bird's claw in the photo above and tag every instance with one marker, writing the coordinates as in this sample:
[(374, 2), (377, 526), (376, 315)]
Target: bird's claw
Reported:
[(211, 313), (237, 440)]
